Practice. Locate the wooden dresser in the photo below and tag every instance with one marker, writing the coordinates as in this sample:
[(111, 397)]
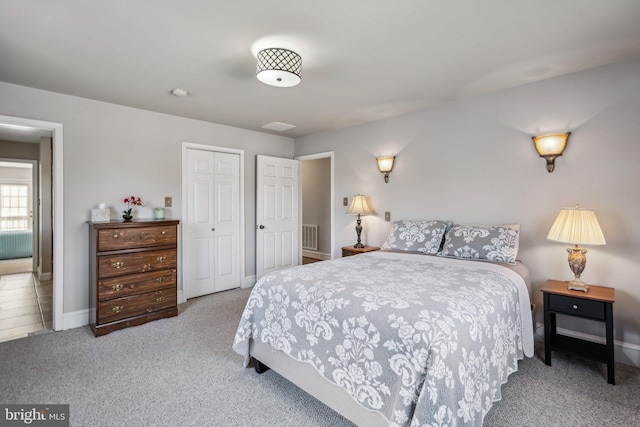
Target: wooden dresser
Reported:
[(133, 273)]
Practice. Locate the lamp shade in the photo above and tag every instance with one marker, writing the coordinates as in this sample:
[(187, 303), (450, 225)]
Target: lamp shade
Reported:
[(279, 67), (385, 164), (577, 226), (551, 145), (359, 206)]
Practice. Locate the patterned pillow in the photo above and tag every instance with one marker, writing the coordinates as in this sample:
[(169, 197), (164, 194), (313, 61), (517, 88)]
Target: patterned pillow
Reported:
[(497, 244), (416, 236)]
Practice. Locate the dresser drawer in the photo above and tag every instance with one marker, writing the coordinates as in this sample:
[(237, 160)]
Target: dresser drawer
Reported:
[(134, 305), (132, 238), (138, 262), (132, 284), (577, 306)]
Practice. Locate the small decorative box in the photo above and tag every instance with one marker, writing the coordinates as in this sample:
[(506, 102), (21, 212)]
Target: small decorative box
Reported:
[(100, 215)]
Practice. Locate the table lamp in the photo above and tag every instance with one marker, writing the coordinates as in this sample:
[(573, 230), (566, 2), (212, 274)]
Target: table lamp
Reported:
[(577, 226), (359, 206)]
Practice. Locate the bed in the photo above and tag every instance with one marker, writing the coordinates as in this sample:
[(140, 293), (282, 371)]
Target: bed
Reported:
[(398, 337)]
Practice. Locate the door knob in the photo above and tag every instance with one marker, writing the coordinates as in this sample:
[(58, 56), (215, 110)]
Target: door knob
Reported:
[(261, 227), (213, 229)]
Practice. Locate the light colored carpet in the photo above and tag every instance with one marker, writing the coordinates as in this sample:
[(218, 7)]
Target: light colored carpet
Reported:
[(13, 266), (183, 372)]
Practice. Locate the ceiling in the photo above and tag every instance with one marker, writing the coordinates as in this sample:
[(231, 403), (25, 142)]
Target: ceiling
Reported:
[(362, 60)]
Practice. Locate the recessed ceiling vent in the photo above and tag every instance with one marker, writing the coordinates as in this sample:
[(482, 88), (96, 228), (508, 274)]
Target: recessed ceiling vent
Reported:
[(277, 126)]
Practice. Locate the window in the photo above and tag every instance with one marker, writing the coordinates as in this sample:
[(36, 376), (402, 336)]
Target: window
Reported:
[(14, 207)]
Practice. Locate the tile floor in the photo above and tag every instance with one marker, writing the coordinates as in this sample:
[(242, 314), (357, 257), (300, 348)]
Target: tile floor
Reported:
[(25, 306)]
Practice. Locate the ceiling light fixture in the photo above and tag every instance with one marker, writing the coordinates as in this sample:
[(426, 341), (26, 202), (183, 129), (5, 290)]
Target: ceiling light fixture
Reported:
[(179, 92), (279, 67)]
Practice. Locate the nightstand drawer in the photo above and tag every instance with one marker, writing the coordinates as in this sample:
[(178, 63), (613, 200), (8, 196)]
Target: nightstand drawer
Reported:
[(577, 307)]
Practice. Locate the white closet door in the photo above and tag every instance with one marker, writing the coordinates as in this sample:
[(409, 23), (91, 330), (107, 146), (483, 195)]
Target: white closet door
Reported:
[(212, 229)]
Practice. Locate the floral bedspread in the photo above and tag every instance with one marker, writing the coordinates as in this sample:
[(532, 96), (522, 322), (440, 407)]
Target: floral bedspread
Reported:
[(421, 339)]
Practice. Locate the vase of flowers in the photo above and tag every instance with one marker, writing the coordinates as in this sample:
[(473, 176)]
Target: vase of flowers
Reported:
[(131, 201)]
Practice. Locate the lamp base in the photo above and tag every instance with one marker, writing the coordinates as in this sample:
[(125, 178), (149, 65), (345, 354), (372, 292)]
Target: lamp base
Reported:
[(358, 245), (578, 285)]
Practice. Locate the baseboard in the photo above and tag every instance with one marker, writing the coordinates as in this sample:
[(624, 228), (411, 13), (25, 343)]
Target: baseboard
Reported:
[(316, 255), (44, 277), (625, 352), (75, 319), (249, 281)]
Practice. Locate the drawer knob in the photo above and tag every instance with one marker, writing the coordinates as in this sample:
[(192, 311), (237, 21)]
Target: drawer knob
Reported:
[(115, 236), (117, 309), (161, 279), (117, 287), (118, 264), (161, 299), (161, 258), (575, 306), (163, 232)]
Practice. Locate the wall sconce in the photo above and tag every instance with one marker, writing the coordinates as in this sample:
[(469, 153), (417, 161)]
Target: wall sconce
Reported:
[(551, 146), (385, 165)]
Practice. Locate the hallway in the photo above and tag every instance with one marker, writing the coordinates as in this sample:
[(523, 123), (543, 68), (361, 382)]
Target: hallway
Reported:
[(25, 306)]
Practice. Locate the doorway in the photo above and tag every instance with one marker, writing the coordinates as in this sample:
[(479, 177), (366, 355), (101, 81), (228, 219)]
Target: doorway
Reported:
[(48, 178), (316, 195)]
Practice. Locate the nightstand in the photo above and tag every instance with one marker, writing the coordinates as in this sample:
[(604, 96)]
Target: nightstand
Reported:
[(350, 250), (597, 304)]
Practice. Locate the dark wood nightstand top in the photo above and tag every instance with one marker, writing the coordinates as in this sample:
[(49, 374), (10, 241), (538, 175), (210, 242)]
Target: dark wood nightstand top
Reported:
[(350, 250), (596, 293)]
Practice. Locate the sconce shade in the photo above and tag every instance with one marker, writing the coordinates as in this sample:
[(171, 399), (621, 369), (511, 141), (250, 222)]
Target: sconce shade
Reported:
[(551, 146), (359, 206), (279, 67), (579, 227), (385, 165)]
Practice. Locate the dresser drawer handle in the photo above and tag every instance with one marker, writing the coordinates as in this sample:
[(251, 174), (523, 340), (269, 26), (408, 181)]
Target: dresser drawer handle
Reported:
[(161, 279), (163, 232), (115, 236), (117, 287), (117, 309), (161, 299), (118, 264), (575, 306), (161, 258)]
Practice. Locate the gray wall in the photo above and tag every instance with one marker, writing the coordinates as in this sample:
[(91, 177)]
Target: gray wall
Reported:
[(474, 161), (316, 199), (111, 151)]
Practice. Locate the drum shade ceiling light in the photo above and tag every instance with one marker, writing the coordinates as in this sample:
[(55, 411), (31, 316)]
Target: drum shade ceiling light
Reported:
[(279, 67)]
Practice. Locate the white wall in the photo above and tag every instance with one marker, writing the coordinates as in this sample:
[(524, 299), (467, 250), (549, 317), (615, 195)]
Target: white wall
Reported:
[(111, 152), (474, 161)]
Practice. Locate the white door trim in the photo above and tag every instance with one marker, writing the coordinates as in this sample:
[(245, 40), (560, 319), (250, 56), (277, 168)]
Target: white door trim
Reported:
[(324, 155), (57, 176), (190, 145)]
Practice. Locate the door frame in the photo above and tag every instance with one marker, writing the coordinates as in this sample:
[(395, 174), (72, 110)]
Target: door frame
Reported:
[(57, 211), (182, 297), (323, 155)]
